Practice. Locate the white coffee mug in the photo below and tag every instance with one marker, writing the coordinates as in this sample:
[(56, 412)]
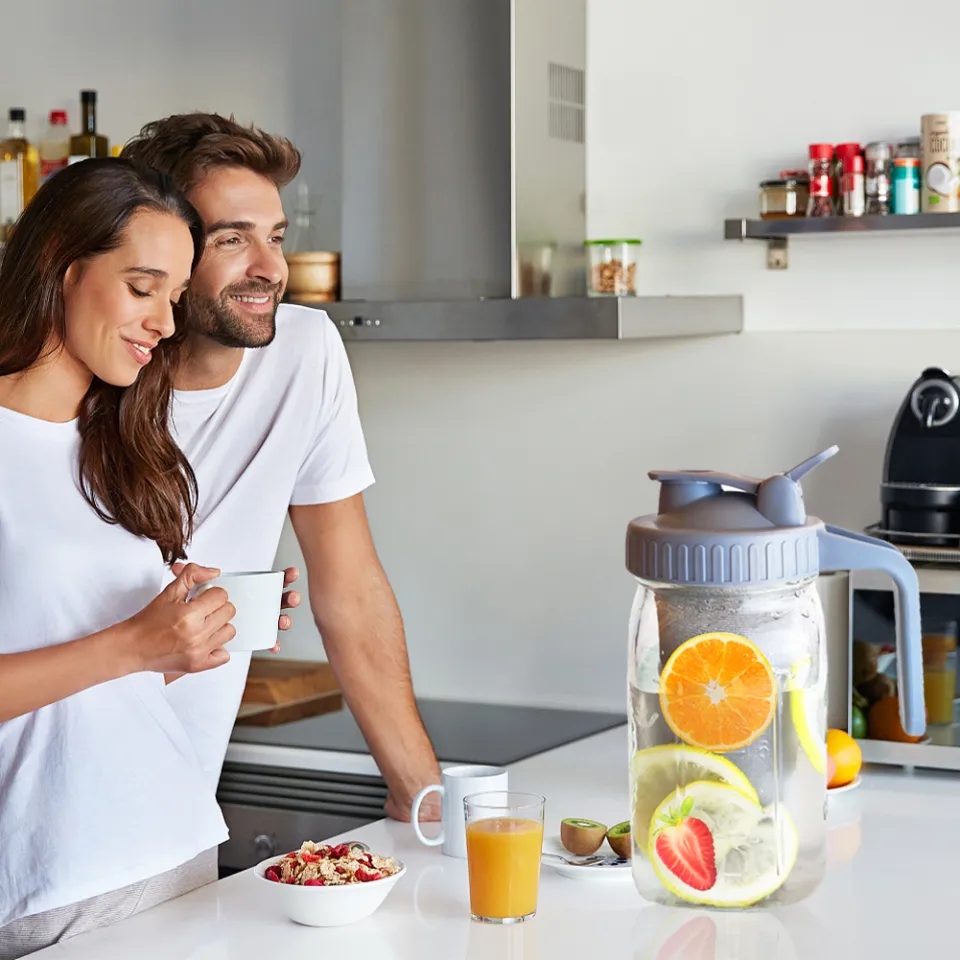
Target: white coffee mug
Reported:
[(458, 782), (257, 597)]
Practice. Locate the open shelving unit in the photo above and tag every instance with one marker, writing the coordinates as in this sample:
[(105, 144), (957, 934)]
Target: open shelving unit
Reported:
[(777, 233)]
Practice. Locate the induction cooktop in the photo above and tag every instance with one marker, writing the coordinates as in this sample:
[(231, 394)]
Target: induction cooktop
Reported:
[(487, 733)]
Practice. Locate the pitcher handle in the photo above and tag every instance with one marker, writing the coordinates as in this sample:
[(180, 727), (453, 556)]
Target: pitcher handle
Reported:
[(845, 550)]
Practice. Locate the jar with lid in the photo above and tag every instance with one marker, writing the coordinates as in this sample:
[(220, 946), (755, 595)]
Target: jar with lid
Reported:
[(877, 182), (820, 203), (909, 147), (785, 196), (906, 185), (314, 272), (843, 156), (851, 186), (536, 264), (612, 267), (727, 686)]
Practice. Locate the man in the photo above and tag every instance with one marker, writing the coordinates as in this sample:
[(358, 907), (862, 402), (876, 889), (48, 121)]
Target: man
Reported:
[(265, 410)]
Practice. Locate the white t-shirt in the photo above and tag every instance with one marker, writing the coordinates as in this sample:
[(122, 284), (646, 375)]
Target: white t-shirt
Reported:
[(101, 789), (284, 430)]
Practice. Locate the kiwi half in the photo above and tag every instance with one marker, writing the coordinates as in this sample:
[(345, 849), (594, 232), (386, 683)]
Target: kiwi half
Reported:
[(582, 837), (619, 839)]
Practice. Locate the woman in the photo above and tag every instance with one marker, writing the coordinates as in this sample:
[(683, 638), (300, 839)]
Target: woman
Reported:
[(101, 795)]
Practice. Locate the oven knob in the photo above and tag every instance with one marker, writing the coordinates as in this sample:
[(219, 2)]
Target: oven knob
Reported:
[(265, 846)]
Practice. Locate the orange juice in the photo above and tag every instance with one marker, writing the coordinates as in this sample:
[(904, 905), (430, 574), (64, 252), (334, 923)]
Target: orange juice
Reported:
[(503, 858), (939, 675)]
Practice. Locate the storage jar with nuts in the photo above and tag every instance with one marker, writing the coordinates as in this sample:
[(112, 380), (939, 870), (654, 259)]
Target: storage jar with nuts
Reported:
[(613, 267)]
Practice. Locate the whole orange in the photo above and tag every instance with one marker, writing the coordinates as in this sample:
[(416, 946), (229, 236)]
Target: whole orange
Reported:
[(883, 722), (845, 753)]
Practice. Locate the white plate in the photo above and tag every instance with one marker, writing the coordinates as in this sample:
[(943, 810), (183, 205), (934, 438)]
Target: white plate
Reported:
[(613, 869), (846, 788)]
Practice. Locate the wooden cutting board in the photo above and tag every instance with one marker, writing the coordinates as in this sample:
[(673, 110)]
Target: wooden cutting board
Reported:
[(279, 691)]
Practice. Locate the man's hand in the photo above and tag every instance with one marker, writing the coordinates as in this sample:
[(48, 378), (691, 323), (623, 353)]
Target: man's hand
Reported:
[(291, 600), (429, 810)]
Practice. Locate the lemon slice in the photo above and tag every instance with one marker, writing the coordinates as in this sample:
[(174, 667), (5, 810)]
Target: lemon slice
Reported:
[(754, 848), (808, 714), (655, 773)]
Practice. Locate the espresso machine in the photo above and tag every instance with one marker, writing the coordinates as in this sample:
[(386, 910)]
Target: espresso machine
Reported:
[(920, 492)]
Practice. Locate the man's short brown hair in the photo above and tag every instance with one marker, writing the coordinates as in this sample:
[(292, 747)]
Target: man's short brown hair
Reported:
[(188, 146)]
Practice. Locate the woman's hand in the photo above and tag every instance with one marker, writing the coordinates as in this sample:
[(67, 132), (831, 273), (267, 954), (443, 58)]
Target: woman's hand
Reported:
[(175, 635)]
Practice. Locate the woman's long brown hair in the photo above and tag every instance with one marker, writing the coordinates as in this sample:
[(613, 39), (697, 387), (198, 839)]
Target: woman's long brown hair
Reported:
[(130, 470)]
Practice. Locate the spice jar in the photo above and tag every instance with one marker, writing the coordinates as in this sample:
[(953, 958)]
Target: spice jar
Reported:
[(909, 147), (906, 185), (785, 196), (851, 186), (877, 183), (613, 267), (843, 155), (820, 203)]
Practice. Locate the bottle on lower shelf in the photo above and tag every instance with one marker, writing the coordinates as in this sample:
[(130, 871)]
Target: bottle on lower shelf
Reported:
[(19, 167), (88, 143)]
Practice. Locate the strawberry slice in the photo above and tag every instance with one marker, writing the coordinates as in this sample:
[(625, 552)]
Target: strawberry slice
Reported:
[(685, 847)]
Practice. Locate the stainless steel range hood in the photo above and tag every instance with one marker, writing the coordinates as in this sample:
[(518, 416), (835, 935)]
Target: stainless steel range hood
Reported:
[(463, 166)]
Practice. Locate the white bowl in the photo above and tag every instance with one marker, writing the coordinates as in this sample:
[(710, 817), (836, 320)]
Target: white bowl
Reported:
[(328, 906)]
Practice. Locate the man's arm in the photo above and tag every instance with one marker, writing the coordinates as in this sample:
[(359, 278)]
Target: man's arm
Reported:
[(359, 620)]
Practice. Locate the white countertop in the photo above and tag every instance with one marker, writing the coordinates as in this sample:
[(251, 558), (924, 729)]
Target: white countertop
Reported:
[(891, 891)]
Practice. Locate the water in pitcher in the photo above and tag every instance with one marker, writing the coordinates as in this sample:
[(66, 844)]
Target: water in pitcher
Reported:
[(728, 812)]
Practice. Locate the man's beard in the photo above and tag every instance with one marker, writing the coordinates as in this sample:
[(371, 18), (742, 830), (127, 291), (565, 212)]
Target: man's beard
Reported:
[(218, 317)]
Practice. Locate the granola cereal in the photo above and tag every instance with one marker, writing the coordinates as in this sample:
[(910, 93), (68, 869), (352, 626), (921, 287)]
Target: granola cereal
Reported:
[(319, 865)]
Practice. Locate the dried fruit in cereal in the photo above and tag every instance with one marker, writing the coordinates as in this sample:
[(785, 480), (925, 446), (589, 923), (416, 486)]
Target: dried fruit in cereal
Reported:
[(317, 865)]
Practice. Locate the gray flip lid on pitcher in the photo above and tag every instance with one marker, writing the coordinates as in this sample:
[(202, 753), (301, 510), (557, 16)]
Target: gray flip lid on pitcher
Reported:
[(756, 532)]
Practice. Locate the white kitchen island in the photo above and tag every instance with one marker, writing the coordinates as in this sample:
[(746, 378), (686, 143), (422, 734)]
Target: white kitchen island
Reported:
[(892, 890)]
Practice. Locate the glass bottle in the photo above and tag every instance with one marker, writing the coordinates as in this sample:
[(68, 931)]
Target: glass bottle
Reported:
[(19, 167), (852, 186), (54, 146), (88, 143), (842, 156), (303, 235), (820, 203), (878, 178)]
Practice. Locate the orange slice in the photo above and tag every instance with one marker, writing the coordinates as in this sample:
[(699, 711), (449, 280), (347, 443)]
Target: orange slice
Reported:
[(718, 692)]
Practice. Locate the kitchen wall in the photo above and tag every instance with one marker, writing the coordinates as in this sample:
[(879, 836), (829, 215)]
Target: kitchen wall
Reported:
[(276, 64), (507, 472)]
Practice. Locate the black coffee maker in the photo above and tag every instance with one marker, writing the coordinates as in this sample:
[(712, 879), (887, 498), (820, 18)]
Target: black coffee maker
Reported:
[(921, 473)]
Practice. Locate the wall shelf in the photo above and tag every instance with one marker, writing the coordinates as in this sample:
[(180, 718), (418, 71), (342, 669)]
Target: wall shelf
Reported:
[(777, 233), (547, 318)]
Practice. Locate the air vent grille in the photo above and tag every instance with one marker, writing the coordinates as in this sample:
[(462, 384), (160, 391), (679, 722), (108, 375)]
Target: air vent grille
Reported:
[(567, 100)]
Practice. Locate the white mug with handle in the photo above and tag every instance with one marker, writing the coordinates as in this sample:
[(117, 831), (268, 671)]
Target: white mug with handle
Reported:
[(458, 782), (257, 597)]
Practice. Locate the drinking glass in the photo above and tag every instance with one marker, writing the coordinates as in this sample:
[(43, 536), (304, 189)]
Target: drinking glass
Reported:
[(504, 843)]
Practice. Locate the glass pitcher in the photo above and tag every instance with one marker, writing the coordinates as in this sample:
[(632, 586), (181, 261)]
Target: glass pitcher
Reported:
[(727, 686)]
